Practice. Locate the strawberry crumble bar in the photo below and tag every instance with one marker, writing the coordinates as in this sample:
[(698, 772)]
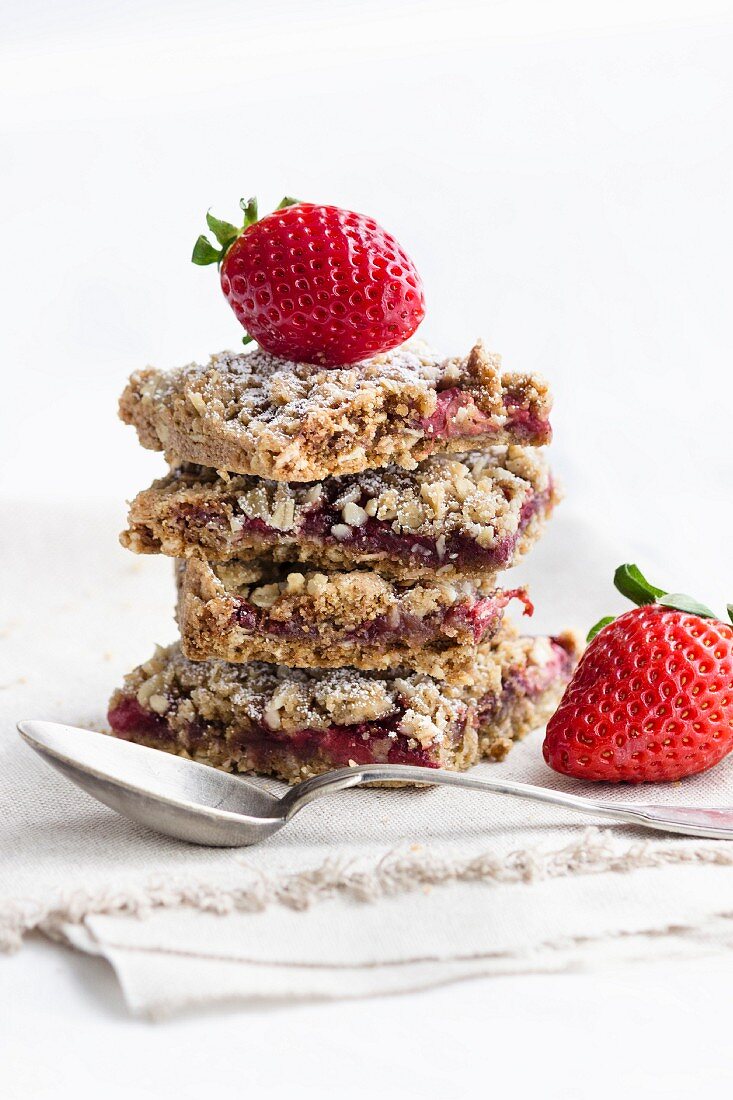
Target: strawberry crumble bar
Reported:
[(465, 514), (340, 502), (256, 414), (260, 611), (297, 723)]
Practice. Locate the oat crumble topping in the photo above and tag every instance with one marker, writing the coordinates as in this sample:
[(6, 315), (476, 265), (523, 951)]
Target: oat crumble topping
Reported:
[(483, 497), (344, 599), (216, 712), (240, 611), (255, 414)]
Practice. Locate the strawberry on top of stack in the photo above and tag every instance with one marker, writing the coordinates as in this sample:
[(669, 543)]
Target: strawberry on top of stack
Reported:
[(341, 502), (315, 284)]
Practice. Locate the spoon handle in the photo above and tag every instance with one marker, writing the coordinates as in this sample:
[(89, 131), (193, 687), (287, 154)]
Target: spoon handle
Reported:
[(689, 821)]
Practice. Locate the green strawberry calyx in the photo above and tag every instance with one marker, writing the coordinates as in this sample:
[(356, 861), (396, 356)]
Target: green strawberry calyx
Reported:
[(631, 583), (225, 234)]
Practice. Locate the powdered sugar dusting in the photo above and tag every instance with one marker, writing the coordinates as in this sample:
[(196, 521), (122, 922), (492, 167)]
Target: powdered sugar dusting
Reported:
[(256, 414)]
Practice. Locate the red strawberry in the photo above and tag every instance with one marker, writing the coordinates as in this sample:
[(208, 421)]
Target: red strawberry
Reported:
[(315, 283), (652, 697)]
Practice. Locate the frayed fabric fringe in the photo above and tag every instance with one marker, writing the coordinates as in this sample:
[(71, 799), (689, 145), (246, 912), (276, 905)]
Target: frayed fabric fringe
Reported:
[(395, 873)]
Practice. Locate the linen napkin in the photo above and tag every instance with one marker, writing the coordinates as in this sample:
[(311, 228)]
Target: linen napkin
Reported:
[(370, 892)]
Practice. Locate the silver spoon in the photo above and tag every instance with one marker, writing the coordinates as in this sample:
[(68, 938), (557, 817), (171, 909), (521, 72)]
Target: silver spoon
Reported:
[(197, 803)]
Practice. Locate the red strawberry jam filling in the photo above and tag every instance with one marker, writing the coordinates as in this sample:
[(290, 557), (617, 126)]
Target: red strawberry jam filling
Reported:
[(131, 721), (377, 537), (528, 683), (366, 743), (469, 620), (457, 415)]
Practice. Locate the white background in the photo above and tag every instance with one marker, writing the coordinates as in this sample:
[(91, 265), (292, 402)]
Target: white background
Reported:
[(562, 175)]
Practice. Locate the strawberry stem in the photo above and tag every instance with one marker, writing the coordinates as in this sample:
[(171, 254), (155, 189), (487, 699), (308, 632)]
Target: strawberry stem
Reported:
[(204, 252), (596, 629), (224, 232), (680, 602), (631, 583), (249, 206)]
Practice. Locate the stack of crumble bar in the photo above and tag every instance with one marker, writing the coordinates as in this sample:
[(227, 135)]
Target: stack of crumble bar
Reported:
[(339, 537)]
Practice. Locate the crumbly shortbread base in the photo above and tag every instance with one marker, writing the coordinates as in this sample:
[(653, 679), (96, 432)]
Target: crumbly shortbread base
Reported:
[(262, 611), (297, 723), (255, 414), (463, 515)]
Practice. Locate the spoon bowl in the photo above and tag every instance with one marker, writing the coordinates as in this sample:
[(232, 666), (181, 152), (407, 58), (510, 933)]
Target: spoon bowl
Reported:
[(167, 793)]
